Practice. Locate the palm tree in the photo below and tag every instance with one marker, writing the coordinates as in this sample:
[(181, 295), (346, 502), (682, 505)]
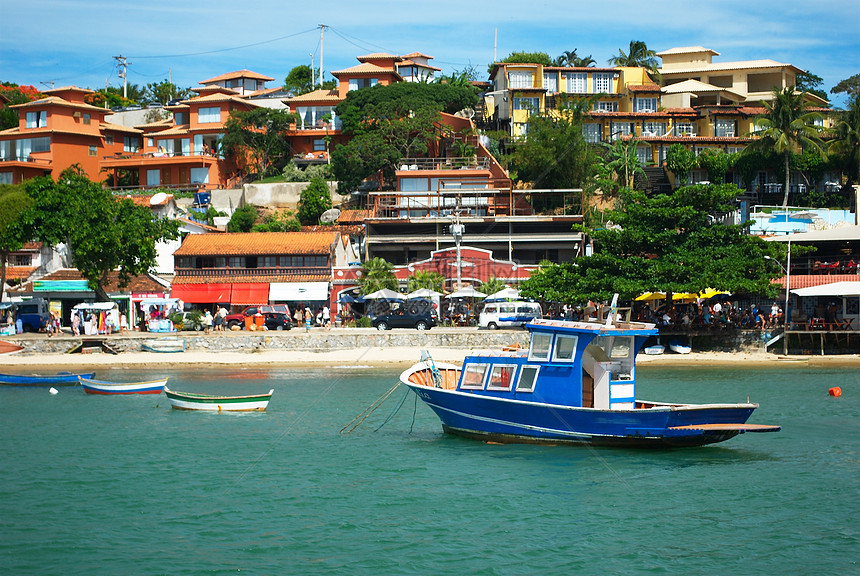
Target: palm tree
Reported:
[(620, 158), (787, 125), (638, 56), (492, 285), (378, 274), (847, 138), (426, 279), (570, 58)]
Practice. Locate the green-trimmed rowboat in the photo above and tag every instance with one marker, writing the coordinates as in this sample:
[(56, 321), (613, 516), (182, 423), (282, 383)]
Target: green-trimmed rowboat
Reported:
[(189, 401)]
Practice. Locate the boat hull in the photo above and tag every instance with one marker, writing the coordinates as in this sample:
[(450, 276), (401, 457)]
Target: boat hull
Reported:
[(507, 420), (37, 380), (205, 402), (113, 388)]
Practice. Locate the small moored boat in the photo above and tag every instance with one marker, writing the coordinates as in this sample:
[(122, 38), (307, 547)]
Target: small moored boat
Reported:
[(9, 347), (679, 347), (99, 387), (164, 345), (59, 379), (575, 384), (189, 401)]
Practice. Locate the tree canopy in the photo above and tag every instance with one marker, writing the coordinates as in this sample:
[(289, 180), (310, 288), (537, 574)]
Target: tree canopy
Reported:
[(258, 136), (14, 231), (809, 82), (378, 274), (528, 58), (16, 95), (849, 86), (102, 233), (426, 279), (846, 143), (571, 58), (314, 200), (668, 243), (638, 55)]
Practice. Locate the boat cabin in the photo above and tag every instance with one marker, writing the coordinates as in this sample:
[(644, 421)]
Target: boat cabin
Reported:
[(577, 364)]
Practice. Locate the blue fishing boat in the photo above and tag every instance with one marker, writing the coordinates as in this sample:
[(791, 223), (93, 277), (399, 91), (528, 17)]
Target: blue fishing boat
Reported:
[(575, 384), (59, 379)]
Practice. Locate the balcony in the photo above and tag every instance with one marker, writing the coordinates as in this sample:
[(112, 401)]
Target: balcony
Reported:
[(476, 203), (450, 163)]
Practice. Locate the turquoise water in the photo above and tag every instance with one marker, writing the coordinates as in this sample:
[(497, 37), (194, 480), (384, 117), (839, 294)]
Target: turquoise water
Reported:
[(125, 485)]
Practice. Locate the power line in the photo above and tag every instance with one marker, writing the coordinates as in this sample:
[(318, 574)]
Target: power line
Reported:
[(227, 49)]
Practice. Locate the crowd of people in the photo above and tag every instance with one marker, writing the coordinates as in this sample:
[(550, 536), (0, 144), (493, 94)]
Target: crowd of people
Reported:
[(712, 314)]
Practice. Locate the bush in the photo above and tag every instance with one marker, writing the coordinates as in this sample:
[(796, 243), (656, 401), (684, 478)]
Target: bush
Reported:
[(281, 221), (363, 322), (243, 219)]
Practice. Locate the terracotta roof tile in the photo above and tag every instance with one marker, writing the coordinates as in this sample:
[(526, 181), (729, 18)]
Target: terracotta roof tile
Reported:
[(350, 216), (378, 56), (119, 128), (268, 243), (643, 87), (316, 96), (366, 68), (810, 280), (144, 283)]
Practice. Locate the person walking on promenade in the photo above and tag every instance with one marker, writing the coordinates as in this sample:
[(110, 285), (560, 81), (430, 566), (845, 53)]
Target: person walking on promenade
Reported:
[(299, 316), (207, 322)]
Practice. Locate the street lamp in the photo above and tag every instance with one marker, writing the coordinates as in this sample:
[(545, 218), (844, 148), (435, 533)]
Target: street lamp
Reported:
[(787, 271)]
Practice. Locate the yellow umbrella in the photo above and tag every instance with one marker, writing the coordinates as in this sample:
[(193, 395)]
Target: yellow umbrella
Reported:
[(710, 293), (684, 296), (650, 296)]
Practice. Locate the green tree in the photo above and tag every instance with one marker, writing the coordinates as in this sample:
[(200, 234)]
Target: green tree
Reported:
[(528, 58), (492, 285), (620, 158), (571, 58), (846, 142), (259, 135), (426, 279), (849, 86), (299, 80), (163, 92), (809, 82), (378, 274), (669, 243), (14, 229), (243, 219), (717, 163), (103, 233), (17, 95), (787, 125), (638, 55), (680, 162), (554, 153), (314, 200)]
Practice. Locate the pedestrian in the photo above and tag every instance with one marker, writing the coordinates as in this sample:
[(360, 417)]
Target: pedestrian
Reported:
[(218, 321), (299, 316), (309, 318), (326, 318), (207, 322), (123, 324)]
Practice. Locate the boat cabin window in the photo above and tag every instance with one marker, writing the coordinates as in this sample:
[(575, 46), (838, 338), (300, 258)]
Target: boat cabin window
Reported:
[(539, 347), (616, 347), (502, 376), (565, 348), (473, 376), (528, 377)]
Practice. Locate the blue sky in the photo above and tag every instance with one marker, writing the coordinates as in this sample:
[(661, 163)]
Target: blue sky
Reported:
[(73, 42)]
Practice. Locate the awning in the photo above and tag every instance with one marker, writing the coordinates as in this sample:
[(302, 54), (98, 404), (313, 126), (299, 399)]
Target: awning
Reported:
[(95, 306), (201, 293), (833, 289), (250, 294), (298, 291)]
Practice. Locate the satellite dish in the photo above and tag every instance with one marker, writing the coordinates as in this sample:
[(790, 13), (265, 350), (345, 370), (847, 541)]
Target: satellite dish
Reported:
[(469, 112), (329, 216), (157, 199)]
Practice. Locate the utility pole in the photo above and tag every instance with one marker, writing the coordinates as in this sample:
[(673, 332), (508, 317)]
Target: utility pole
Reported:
[(122, 63), (322, 28)]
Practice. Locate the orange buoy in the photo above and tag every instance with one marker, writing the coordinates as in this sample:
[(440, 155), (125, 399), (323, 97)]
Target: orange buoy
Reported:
[(836, 391)]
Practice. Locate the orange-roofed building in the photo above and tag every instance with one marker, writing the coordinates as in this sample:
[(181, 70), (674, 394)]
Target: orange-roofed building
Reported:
[(259, 268)]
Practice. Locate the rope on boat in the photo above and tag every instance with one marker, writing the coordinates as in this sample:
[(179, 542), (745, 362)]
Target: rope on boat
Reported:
[(393, 412), (362, 416)]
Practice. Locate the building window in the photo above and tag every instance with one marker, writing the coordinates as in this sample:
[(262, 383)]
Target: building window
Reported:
[(267, 261), (606, 106), (550, 82), (153, 177), (602, 83), (521, 80), (592, 133), (319, 145), (5, 177), (180, 118), (530, 104), (236, 261), (130, 144), (87, 119), (646, 105), (684, 129), (209, 115), (22, 260), (643, 154), (617, 129), (724, 128), (577, 83), (92, 151), (108, 139), (653, 129), (37, 119), (357, 83)]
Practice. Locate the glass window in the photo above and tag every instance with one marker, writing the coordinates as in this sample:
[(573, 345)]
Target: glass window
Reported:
[(646, 105), (501, 377), (236, 261), (528, 377), (602, 83), (565, 348), (591, 132), (180, 118), (5, 177), (92, 151), (473, 376), (643, 154), (200, 175), (87, 118), (108, 138), (684, 129), (539, 347), (37, 119), (267, 261), (130, 143), (653, 129), (577, 82), (521, 79), (531, 104), (550, 82), (606, 106), (724, 128), (319, 145), (620, 347), (153, 177), (209, 115)]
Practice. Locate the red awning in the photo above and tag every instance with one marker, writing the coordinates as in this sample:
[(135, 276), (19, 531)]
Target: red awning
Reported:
[(249, 294), (202, 293)]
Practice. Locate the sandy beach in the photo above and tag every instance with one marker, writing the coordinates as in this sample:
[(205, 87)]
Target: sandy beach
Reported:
[(382, 357)]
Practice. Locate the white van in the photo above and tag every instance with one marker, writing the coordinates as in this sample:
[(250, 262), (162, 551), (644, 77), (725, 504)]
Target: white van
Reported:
[(506, 314)]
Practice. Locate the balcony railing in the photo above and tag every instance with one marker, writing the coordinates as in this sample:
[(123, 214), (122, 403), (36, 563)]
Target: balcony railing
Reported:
[(450, 163), (140, 155), (27, 159), (251, 272), (475, 203)]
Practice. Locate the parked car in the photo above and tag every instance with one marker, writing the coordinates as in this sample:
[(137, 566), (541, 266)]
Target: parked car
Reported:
[(239, 319), (33, 314), (277, 321), (403, 319)]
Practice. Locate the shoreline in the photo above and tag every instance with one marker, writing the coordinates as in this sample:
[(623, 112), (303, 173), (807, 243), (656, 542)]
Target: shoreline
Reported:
[(381, 357)]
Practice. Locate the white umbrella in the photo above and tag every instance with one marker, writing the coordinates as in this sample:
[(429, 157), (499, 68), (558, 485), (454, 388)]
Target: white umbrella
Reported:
[(467, 292), (423, 293), (506, 293), (384, 294)]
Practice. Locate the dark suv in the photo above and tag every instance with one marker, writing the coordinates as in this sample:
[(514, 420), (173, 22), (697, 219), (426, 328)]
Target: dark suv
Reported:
[(277, 321), (403, 319)]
